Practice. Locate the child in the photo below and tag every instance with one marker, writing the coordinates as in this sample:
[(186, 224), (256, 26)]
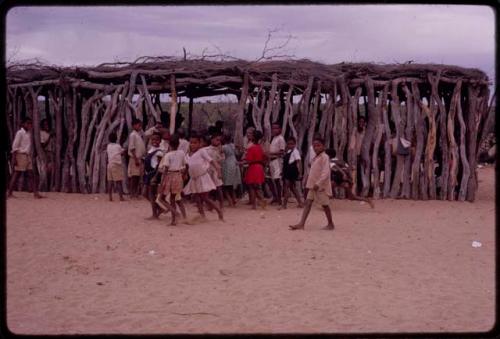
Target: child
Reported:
[(200, 183), (254, 176), (341, 177), (319, 185), (276, 151), (136, 151), (114, 168), (21, 157), (214, 150), (173, 166), (231, 174), (292, 171), (151, 163)]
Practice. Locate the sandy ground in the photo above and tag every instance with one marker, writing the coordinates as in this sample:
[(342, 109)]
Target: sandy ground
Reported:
[(81, 264)]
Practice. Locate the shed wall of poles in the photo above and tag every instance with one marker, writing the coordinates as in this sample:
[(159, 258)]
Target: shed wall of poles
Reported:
[(443, 117)]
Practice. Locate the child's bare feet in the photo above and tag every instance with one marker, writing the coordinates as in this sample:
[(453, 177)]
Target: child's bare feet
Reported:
[(38, 196), (173, 222), (110, 199), (296, 227), (372, 205), (329, 227), (282, 207), (263, 204), (300, 205), (153, 217)]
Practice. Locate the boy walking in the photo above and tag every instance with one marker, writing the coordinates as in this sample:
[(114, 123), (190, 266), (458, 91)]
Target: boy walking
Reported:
[(21, 157), (319, 185), (136, 151)]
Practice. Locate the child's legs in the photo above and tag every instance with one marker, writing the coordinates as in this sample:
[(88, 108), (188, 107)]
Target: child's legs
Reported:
[(110, 190), (220, 197), (13, 181), (296, 193), (181, 207), (199, 204), (328, 213), (204, 197), (119, 184), (277, 184), (33, 183)]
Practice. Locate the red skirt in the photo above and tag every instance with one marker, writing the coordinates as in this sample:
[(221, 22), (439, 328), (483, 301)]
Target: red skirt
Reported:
[(255, 174)]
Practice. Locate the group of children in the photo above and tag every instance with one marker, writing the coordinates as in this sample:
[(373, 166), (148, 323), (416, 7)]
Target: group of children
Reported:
[(208, 169)]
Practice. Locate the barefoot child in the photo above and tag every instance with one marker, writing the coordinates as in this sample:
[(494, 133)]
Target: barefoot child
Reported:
[(151, 162), (21, 157), (198, 162), (115, 166), (173, 166), (341, 177), (319, 185), (231, 175), (214, 150), (292, 171), (254, 176), (276, 151), (136, 151)]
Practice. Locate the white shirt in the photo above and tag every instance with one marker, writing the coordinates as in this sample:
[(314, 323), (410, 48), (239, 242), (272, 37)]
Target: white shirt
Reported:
[(22, 142), (174, 161), (183, 145), (295, 156), (157, 157), (277, 144), (136, 145), (114, 151), (198, 162)]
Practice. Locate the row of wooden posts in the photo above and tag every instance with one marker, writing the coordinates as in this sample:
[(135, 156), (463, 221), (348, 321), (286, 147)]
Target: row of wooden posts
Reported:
[(442, 119)]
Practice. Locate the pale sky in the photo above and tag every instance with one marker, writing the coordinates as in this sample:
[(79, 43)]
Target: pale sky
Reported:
[(448, 34)]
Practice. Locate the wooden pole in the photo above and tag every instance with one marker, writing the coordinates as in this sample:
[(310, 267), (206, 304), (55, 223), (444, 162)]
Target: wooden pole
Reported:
[(173, 104)]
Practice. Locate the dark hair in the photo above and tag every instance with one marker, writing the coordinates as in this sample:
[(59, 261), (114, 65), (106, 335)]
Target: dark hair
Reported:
[(275, 124), (195, 135), (112, 137), (181, 133), (319, 139), (291, 139), (44, 120), (156, 134), (215, 134), (226, 138), (136, 121), (174, 140), (25, 120), (219, 122), (257, 135)]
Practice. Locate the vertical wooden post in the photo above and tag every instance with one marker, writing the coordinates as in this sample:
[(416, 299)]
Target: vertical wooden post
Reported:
[(239, 114), (173, 104), (190, 115)]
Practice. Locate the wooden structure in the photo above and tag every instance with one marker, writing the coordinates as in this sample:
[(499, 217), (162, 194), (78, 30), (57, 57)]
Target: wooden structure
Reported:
[(441, 109)]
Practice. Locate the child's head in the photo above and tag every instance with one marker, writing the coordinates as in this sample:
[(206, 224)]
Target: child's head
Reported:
[(226, 139), (165, 134), (174, 141), (215, 140), (318, 145), (112, 137), (44, 125), (275, 129), (136, 124), (205, 140), (257, 136), (27, 124), (158, 124), (156, 140), (181, 133), (195, 142), (291, 143), (250, 132)]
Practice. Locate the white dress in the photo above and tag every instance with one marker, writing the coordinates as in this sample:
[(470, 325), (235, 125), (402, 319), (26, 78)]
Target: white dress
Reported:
[(199, 179)]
